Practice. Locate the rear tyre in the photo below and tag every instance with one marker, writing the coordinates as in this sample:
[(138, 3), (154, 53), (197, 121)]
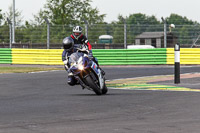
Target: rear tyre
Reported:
[(92, 85)]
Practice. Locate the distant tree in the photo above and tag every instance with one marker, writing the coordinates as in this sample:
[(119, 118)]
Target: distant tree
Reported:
[(1, 17), (136, 24), (142, 19), (18, 16), (185, 30), (184, 35), (4, 30), (38, 18), (64, 14), (179, 20), (70, 12)]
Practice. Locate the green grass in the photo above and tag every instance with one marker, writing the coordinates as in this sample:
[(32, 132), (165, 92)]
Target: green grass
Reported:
[(26, 69)]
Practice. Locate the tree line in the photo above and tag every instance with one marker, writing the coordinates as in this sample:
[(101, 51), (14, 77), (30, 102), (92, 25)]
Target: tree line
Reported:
[(64, 14)]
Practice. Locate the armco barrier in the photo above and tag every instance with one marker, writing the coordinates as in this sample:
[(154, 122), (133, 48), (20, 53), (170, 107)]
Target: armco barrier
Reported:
[(5, 56), (37, 56), (104, 56), (130, 56), (187, 56)]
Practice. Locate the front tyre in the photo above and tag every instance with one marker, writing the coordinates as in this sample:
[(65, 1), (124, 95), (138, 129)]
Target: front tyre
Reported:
[(105, 89), (92, 85)]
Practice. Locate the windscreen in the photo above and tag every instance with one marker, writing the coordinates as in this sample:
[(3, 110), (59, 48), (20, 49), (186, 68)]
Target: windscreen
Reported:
[(74, 57)]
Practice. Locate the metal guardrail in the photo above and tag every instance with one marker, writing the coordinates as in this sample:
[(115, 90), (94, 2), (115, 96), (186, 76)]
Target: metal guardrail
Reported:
[(131, 56), (5, 56), (37, 56), (187, 56), (104, 56)]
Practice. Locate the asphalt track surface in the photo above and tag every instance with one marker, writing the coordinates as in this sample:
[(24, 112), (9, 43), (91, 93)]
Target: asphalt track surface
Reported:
[(44, 103)]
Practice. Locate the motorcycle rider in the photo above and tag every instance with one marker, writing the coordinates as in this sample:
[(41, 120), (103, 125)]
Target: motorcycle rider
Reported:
[(79, 38), (68, 44)]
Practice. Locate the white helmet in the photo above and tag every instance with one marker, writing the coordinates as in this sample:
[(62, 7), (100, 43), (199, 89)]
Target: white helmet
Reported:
[(77, 29)]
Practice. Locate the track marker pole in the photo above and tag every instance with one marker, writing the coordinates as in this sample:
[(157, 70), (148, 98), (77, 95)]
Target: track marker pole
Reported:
[(177, 63)]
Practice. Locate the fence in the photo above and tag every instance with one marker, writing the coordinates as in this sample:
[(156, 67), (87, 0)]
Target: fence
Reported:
[(36, 36), (104, 56)]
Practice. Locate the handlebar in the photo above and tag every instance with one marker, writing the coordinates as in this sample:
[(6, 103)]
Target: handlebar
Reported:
[(81, 48)]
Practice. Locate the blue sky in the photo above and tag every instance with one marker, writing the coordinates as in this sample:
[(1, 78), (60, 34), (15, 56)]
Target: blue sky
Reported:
[(113, 8)]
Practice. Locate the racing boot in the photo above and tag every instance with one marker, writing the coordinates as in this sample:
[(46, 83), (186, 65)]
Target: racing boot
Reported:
[(96, 61), (102, 71), (71, 79), (83, 87)]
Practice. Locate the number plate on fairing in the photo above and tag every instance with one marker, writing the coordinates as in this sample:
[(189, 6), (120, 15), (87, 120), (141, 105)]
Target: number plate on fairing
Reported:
[(98, 72), (94, 67)]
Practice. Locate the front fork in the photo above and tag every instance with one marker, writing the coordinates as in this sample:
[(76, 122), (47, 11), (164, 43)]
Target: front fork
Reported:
[(82, 76)]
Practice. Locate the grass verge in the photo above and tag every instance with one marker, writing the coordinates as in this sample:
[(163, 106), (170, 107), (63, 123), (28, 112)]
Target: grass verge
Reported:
[(26, 69)]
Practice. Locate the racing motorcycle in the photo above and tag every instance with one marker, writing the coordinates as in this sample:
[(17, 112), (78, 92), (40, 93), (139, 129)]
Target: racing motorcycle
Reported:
[(86, 71)]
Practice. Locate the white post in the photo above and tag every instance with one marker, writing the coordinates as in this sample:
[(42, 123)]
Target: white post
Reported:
[(165, 35), (48, 33), (10, 31), (86, 28), (177, 63), (125, 35), (165, 32), (13, 23)]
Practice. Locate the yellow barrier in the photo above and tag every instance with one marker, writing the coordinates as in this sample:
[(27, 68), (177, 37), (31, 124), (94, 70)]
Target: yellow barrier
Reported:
[(54, 56), (37, 56), (187, 56)]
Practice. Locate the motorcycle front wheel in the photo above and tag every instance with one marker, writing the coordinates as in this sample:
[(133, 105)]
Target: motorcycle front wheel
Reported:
[(92, 85), (105, 89)]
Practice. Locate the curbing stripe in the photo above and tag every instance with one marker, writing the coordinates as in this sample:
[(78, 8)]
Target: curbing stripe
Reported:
[(141, 83)]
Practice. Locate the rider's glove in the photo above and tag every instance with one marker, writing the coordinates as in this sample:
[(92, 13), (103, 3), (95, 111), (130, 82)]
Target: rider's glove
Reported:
[(90, 55), (66, 64)]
